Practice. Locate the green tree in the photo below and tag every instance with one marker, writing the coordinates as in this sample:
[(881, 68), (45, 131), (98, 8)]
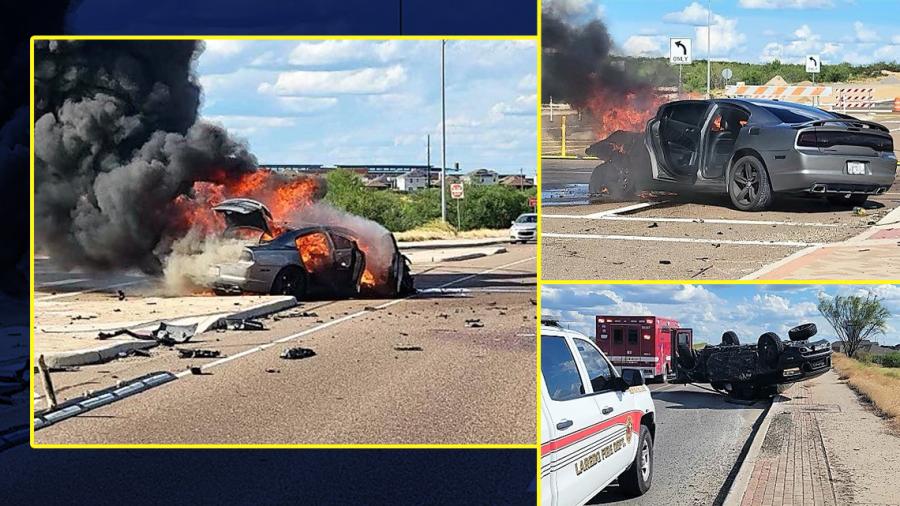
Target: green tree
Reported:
[(854, 318)]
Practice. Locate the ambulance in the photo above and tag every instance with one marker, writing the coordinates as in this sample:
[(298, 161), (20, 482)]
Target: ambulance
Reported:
[(640, 342)]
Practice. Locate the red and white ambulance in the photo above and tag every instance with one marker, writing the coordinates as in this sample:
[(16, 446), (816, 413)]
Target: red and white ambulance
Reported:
[(640, 342)]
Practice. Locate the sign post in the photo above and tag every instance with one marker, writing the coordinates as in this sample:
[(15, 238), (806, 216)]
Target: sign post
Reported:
[(457, 192), (680, 54), (813, 66)]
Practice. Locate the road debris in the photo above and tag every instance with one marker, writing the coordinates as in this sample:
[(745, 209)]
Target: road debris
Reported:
[(701, 271), (653, 225), (665, 262), (244, 324), (474, 323), (197, 353), (166, 334), (859, 211), (196, 371), (295, 314), (404, 347), (120, 294), (273, 371), (297, 353)]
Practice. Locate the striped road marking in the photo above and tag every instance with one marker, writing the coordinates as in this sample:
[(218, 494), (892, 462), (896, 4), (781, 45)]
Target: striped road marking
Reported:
[(613, 217)]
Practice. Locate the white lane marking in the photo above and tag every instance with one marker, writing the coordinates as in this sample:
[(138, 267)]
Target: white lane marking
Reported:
[(692, 220), (795, 244), (70, 281), (92, 290), (342, 319), (619, 210)]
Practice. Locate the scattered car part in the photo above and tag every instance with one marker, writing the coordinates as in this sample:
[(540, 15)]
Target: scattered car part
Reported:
[(297, 353), (244, 324), (476, 323), (197, 353), (407, 348)]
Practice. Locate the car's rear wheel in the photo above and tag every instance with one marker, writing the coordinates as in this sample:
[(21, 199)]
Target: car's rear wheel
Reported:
[(748, 185), (636, 479), (854, 200), (769, 348), (290, 280)]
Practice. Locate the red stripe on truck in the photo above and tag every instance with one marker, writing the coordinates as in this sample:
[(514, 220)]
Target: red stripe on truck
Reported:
[(570, 439)]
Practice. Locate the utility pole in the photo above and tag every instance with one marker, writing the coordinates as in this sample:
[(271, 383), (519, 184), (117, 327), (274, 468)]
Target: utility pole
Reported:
[(708, 46), (443, 138), (428, 157)]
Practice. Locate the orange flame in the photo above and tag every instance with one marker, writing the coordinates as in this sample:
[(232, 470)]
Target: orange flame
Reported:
[(314, 251), (612, 110)]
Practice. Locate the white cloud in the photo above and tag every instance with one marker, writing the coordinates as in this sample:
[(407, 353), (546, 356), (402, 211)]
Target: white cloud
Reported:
[(330, 52), (864, 34), (644, 45), (528, 83), (693, 14), (600, 10), (787, 4), (725, 36), (523, 105), (338, 82), (223, 48)]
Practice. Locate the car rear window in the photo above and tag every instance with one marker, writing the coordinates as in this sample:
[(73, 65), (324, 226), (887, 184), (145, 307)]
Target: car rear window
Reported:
[(559, 369), (795, 115), (598, 369)]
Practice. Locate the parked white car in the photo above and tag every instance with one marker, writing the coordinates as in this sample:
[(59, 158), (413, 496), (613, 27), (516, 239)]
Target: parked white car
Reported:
[(596, 426), (524, 229)]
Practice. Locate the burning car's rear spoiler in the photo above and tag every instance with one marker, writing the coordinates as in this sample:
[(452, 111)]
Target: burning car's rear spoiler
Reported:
[(849, 120)]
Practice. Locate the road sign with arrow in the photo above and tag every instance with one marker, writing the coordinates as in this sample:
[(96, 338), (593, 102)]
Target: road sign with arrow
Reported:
[(813, 64), (680, 51)]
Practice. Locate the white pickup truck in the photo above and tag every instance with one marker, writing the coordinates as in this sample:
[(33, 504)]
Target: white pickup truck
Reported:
[(596, 426)]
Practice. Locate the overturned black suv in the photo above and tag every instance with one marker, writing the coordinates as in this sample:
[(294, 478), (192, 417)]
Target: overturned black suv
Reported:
[(749, 371)]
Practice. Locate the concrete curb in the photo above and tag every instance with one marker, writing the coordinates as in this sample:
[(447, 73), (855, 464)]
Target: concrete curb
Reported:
[(739, 485), (109, 351)]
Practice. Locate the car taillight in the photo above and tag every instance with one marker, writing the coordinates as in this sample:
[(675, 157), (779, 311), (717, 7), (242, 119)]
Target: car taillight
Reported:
[(807, 139), (246, 256)]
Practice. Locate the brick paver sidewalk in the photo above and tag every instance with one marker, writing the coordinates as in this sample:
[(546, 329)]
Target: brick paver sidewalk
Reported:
[(792, 467)]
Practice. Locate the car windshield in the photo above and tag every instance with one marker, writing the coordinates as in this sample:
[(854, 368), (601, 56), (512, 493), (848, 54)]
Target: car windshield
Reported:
[(527, 218)]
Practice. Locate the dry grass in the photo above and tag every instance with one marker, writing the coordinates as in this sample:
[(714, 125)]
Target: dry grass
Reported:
[(881, 385), (437, 230)]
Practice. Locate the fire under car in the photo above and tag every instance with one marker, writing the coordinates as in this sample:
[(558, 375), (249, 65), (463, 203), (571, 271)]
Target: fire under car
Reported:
[(748, 371), (307, 260), (751, 150)]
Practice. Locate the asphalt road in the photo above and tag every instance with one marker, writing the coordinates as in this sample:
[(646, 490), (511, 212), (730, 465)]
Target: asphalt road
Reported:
[(465, 385), (699, 437), (701, 237)]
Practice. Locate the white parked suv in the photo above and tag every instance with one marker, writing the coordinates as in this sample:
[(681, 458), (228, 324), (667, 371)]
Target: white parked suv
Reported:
[(596, 426)]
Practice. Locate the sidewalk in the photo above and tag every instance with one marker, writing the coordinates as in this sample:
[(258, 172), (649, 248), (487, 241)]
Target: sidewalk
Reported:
[(821, 446), (873, 254)]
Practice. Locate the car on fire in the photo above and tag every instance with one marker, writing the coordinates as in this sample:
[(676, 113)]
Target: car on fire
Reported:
[(751, 150), (750, 371), (597, 425), (524, 228), (303, 261)]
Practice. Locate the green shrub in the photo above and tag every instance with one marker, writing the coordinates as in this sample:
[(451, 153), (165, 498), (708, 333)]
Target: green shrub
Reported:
[(889, 360)]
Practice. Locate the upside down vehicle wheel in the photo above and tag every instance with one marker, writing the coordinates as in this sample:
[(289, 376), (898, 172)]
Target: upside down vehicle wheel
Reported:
[(769, 348), (748, 185)]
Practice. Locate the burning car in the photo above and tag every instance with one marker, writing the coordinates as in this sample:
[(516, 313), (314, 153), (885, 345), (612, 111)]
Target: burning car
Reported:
[(307, 260), (750, 150), (752, 370)]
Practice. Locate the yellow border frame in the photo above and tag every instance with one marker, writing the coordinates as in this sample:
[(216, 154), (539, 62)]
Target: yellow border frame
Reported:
[(534, 447)]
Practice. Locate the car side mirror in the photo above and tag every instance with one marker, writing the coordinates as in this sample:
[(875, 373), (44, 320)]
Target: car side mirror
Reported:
[(632, 378), (512, 222)]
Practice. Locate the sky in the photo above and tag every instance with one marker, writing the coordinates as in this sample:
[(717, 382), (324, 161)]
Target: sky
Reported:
[(854, 31), (710, 310), (354, 102)]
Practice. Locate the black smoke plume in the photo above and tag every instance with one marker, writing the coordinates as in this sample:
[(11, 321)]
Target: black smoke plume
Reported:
[(576, 60), (116, 141)]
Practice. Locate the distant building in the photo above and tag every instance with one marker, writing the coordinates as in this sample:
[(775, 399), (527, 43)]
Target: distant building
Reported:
[(412, 181), (517, 181), (482, 176), (378, 183)]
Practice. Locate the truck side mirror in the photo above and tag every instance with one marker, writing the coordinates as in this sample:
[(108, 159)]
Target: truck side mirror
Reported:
[(632, 378)]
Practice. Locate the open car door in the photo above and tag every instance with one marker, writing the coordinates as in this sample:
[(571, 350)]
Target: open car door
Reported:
[(674, 140), (349, 262), (683, 356)]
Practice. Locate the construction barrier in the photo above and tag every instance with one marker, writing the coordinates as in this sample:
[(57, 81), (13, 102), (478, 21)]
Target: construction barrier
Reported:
[(789, 93), (896, 104)]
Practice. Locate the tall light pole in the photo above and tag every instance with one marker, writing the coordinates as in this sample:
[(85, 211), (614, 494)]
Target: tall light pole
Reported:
[(708, 45), (443, 138)]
